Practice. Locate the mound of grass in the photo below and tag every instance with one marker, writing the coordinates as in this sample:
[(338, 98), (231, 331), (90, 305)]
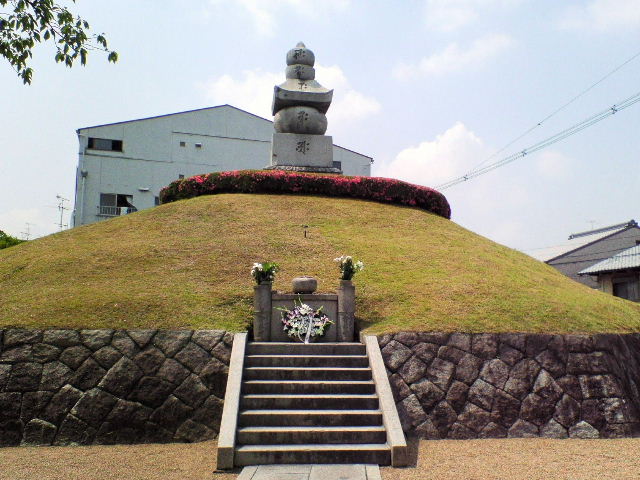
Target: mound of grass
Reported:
[(186, 265)]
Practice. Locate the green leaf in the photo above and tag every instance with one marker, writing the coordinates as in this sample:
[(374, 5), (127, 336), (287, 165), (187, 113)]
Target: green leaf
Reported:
[(26, 23)]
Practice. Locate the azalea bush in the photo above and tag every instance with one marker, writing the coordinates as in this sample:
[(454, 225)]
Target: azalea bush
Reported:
[(304, 323), (348, 268), (264, 272), (379, 189)]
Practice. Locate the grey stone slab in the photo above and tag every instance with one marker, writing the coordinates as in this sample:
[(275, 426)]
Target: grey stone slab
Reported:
[(248, 473), (373, 472), (293, 468), (311, 472), (279, 476), (338, 472), (302, 150)]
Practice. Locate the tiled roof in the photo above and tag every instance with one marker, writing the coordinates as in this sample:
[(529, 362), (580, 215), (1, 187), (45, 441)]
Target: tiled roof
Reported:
[(577, 240), (629, 258)]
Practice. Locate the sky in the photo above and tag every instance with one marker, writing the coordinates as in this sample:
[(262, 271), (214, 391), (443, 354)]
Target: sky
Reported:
[(429, 88)]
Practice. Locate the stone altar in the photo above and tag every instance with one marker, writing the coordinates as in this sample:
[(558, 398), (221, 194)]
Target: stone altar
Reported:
[(299, 108), (340, 307)]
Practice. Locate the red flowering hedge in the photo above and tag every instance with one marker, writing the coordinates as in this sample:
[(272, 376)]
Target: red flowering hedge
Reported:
[(384, 190)]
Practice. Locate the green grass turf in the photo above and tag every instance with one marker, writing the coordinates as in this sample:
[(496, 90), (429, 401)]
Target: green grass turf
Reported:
[(186, 265)]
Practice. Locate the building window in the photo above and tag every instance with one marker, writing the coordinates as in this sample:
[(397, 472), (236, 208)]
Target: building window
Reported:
[(337, 165), (105, 144), (115, 204), (183, 144), (198, 145)]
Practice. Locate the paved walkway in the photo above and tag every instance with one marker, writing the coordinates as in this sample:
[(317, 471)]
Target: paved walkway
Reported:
[(311, 472)]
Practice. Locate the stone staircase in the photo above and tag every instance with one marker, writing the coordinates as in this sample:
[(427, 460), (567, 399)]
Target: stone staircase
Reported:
[(313, 403)]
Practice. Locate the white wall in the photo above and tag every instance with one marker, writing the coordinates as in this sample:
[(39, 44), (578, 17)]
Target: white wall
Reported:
[(152, 156)]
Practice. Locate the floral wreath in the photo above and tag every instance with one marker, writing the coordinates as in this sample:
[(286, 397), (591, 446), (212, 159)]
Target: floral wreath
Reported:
[(303, 322)]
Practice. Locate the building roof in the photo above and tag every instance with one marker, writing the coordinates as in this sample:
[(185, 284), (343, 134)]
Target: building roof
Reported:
[(198, 110), (174, 113), (626, 259), (579, 240)]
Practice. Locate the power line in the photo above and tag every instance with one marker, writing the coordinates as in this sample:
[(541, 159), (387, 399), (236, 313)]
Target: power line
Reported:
[(556, 111), (546, 142)]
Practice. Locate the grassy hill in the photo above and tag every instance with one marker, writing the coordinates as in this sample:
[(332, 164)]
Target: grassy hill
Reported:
[(186, 264)]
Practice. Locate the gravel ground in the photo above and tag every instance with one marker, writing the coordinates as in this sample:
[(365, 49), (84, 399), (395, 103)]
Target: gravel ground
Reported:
[(174, 461), (516, 459), (521, 459)]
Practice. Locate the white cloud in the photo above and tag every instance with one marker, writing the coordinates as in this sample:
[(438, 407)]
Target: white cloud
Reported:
[(602, 15), (264, 13), (453, 58), (487, 205), (254, 92), (450, 15), (553, 164), (452, 153)]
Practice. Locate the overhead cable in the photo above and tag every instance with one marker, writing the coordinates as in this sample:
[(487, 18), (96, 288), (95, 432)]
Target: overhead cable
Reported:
[(546, 142), (556, 111)]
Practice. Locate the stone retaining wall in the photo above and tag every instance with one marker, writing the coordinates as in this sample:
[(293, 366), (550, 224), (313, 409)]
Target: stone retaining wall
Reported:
[(515, 385), (60, 387)]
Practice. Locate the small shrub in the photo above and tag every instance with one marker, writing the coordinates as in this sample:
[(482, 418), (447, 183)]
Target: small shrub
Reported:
[(386, 190), (7, 240)]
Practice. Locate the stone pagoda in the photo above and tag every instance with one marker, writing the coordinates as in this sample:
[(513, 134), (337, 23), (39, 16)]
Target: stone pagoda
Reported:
[(299, 107)]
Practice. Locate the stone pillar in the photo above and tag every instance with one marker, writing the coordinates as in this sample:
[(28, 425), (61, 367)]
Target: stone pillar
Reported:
[(299, 107), (346, 311), (262, 312)]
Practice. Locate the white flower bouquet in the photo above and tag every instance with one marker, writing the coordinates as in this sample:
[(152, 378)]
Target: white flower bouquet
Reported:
[(348, 268), (264, 272)]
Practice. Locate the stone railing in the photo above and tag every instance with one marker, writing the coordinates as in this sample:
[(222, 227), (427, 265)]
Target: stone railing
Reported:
[(60, 387), (515, 385)]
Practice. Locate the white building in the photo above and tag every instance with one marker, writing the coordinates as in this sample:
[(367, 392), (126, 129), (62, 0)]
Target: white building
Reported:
[(122, 166)]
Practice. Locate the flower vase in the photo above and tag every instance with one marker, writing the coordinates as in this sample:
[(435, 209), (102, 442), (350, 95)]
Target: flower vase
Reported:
[(346, 311), (262, 312)]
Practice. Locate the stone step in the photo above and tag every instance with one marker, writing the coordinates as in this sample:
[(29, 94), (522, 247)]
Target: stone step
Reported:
[(297, 435), (286, 361), (308, 386), (291, 348), (309, 401), (306, 373), (323, 453), (309, 418)]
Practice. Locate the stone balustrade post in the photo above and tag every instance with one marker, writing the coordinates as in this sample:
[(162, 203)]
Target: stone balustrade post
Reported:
[(262, 312), (346, 311)]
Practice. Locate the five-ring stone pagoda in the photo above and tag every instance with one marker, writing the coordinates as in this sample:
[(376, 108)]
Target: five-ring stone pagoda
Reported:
[(299, 107)]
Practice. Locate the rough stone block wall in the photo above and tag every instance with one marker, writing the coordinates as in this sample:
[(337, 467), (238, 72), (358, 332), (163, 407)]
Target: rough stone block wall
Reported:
[(61, 387), (515, 385)]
